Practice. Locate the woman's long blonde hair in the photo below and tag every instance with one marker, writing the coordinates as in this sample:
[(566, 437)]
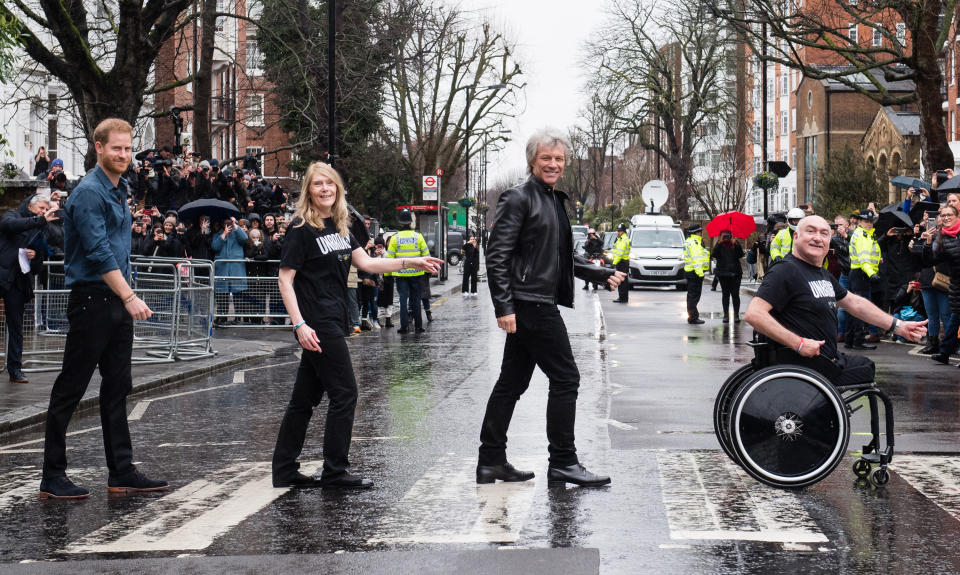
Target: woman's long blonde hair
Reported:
[(307, 212)]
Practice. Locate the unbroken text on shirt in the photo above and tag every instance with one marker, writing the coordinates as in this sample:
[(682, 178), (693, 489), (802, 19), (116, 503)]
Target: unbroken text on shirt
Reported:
[(821, 289), (332, 242)]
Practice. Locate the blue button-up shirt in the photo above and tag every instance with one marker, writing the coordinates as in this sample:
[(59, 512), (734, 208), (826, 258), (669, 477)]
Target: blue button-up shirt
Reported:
[(96, 228)]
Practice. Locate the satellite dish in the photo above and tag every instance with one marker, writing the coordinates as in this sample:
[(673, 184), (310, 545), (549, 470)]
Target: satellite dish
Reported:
[(655, 194)]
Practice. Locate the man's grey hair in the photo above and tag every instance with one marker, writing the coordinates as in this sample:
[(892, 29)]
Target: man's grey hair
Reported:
[(548, 138), (36, 198)]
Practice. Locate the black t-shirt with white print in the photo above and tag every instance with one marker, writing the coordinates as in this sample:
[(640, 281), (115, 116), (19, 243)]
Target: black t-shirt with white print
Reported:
[(804, 300), (322, 260)]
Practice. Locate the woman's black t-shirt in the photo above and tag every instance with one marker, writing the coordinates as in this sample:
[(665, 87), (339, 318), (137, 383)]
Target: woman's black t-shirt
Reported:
[(322, 260), (804, 300)]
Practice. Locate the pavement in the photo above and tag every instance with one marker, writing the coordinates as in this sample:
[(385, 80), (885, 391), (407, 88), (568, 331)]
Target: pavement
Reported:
[(23, 406)]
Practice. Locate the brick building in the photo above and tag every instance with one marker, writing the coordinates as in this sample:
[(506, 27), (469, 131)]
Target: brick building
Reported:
[(833, 116), (786, 96), (243, 118), (892, 146)]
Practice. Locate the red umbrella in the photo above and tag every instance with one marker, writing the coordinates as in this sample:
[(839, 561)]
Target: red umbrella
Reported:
[(741, 225)]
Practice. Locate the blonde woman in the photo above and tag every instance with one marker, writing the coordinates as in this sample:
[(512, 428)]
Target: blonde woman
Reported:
[(317, 254)]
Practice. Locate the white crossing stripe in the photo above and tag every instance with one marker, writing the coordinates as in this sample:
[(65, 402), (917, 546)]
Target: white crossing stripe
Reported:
[(138, 410), (620, 425), (447, 506), (192, 517), (203, 444), (937, 477), (707, 496)]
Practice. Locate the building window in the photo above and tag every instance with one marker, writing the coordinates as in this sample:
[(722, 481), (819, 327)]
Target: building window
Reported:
[(877, 37), (189, 69), (756, 131), (254, 11), (853, 32), (254, 59), (853, 2), (784, 127), (793, 119), (255, 109), (222, 20), (809, 99), (902, 33), (784, 85)]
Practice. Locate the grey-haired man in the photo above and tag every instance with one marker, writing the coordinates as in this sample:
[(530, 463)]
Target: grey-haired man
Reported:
[(530, 270)]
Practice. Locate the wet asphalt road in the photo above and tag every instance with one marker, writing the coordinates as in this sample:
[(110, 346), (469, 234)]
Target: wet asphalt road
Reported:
[(676, 504)]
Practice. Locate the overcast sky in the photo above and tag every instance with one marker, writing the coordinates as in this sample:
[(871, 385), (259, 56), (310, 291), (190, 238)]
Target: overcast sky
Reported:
[(550, 35)]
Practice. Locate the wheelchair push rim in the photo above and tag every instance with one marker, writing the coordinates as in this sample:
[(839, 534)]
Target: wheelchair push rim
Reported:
[(789, 427), (721, 408)]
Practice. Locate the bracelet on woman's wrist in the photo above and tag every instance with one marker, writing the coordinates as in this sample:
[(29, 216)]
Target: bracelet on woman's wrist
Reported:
[(130, 298), (799, 347), (297, 326), (894, 324)]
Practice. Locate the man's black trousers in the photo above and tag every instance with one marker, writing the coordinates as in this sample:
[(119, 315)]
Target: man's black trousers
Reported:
[(329, 371), (856, 327), (694, 289), (623, 290), (14, 302), (101, 334), (540, 341)]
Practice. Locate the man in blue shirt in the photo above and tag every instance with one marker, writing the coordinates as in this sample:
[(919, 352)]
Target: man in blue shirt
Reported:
[(101, 310)]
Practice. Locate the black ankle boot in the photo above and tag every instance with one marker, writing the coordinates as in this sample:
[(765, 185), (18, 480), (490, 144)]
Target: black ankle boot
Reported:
[(933, 346)]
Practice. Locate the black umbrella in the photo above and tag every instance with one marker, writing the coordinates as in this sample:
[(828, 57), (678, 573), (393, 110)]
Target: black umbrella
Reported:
[(951, 185), (216, 210), (917, 209), (892, 216)]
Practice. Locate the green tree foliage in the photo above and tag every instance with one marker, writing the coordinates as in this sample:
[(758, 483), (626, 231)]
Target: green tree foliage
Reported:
[(9, 38), (847, 183), (294, 46)]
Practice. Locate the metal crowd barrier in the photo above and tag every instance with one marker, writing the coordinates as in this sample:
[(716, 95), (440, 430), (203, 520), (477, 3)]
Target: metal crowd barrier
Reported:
[(250, 300), (179, 292)]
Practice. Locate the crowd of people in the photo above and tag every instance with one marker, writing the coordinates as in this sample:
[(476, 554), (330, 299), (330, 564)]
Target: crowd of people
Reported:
[(910, 272)]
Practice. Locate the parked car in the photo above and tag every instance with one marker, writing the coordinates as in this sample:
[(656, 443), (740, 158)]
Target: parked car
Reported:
[(656, 252)]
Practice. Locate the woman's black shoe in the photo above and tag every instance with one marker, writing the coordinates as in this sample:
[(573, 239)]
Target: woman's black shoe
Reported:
[(297, 481), (941, 358), (505, 472), (346, 480)]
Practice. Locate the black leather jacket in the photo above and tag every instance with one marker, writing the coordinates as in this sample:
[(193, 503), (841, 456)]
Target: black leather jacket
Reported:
[(524, 259)]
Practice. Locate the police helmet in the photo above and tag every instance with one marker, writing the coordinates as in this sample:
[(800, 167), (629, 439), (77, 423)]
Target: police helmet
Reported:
[(793, 218), (405, 218), (622, 227)]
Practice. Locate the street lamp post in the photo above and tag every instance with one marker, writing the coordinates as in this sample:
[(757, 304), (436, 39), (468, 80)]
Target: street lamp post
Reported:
[(331, 81), (466, 144)]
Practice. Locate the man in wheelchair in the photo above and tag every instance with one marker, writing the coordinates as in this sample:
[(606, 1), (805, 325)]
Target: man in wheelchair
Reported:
[(796, 306)]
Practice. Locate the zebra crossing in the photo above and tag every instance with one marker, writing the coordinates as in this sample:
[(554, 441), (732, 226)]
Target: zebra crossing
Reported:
[(706, 499)]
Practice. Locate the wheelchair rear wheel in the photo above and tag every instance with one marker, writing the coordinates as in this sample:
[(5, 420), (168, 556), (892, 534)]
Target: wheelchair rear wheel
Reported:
[(721, 407), (788, 426)]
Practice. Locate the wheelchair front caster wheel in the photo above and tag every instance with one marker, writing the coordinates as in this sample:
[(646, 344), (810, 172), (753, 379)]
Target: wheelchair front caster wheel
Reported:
[(880, 477), (861, 468)]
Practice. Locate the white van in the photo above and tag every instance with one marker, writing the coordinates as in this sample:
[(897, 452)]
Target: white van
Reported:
[(656, 251)]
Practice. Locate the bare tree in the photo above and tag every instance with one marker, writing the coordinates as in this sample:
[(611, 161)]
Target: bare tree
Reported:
[(724, 189), (907, 40), (447, 58), (104, 59), (667, 65)]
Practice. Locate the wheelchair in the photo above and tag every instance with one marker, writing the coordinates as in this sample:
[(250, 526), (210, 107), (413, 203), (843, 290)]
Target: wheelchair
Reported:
[(788, 426)]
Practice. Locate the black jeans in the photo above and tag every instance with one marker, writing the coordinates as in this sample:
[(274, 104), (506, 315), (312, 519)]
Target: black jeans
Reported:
[(540, 341), (101, 334), (623, 290), (469, 278), (857, 328), (14, 302), (694, 289), (730, 286), (329, 371)]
